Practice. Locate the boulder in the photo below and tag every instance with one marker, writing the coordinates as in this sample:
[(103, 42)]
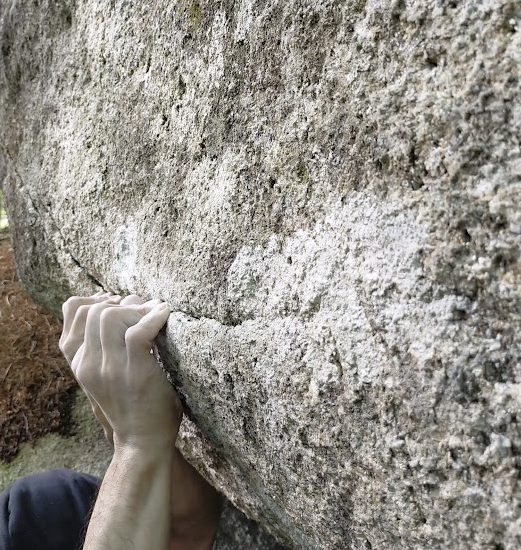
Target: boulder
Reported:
[(328, 195)]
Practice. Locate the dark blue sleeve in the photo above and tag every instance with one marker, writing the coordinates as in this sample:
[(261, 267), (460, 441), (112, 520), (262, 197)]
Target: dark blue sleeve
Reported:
[(47, 511)]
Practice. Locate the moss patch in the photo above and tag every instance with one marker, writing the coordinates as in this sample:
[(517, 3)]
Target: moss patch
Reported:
[(195, 13)]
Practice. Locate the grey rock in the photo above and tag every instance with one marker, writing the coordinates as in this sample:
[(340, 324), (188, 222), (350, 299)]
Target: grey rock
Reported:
[(328, 194), (236, 531)]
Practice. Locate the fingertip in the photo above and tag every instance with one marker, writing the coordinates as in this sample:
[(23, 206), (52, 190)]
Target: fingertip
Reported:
[(155, 310), (158, 315), (163, 310)]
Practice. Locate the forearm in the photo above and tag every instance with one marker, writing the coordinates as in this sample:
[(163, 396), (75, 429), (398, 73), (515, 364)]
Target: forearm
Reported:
[(133, 507)]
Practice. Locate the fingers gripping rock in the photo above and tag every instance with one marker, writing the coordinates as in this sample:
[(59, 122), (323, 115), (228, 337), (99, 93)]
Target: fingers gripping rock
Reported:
[(109, 341), (75, 312), (140, 337)]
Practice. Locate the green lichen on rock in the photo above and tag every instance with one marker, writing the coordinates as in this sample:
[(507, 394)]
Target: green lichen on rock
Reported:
[(195, 13)]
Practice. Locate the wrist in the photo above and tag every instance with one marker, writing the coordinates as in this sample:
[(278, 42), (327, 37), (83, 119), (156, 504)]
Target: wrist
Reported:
[(143, 451), (145, 441)]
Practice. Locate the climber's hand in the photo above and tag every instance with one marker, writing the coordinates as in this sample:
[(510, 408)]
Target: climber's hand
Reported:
[(75, 312), (114, 365)]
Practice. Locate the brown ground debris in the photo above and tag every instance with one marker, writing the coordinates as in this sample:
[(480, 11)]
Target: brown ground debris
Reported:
[(36, 385)]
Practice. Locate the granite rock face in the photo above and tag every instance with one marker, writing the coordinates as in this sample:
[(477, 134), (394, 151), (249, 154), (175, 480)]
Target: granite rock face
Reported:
[(328, 194)]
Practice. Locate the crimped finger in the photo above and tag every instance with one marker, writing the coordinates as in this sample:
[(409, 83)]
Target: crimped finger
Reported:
[(71, 306), (140, 337), (114, 322), (71, 341), (92, 329)]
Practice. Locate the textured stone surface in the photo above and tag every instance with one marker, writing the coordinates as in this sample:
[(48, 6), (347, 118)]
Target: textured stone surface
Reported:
[(328, 195), (236, 531)]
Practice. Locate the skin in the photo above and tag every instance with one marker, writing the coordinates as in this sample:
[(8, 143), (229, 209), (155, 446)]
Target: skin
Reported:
[(150, 496)]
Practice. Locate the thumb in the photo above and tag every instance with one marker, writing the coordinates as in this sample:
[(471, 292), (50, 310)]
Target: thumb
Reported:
[(139, 338), (115, 321)]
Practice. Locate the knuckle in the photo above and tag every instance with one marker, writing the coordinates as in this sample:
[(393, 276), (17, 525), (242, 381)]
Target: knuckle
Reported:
[(107, 316), (67, 308), (95, 311), (67, 347), (78, 315), (88, 373), (75, 304), (69, 301), (82, 309), (130, 335), (84, 375), (134, 337), (72, 302)]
